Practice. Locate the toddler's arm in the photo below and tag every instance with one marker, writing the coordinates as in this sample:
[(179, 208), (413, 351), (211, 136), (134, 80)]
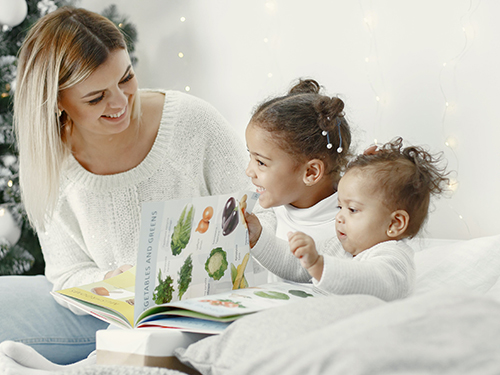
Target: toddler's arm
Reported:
[(303, 248)]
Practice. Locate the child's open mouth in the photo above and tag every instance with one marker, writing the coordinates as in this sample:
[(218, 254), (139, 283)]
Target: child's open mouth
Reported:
[(260, 189)]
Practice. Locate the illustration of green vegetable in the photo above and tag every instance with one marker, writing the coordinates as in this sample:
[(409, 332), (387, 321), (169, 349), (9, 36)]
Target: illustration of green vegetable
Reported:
[(272, 295), (185, 276), (216, 263), (164, 290), (230, 217), (182, 231), (300, 293)]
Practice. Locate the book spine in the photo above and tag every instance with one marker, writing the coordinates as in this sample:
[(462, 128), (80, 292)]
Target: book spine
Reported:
[(151, 219)]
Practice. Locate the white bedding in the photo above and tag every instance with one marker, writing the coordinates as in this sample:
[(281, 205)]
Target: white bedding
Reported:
[(451, 325)]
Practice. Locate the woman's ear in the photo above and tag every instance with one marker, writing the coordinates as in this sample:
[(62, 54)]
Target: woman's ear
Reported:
[(399, 223), (314, 171)]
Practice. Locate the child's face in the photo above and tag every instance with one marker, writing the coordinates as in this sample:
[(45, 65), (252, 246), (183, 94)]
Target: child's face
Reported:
[(363, 219), (273, 171)]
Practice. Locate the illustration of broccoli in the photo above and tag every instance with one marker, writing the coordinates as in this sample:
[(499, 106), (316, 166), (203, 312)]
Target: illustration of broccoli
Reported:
[(164, 290), (216, 263), (185, 276), (182, 231)]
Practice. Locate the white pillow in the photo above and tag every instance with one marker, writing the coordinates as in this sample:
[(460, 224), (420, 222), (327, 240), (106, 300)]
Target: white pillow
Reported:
[(259, 333), (468, 265)]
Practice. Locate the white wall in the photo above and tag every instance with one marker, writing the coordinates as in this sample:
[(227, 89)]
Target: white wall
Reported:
[(236, 53)]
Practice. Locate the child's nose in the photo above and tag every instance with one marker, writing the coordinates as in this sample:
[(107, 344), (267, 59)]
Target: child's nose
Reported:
[(249, 171), (339, 218)]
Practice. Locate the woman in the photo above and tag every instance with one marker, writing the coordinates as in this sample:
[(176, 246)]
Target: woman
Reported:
[(92, 148)]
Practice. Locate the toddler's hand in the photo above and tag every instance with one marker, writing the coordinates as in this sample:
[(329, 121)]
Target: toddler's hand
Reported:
[(118, 271), (303, 248), (254, 228)]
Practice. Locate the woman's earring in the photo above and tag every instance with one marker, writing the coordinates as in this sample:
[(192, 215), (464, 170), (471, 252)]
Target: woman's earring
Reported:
[(59, 112)]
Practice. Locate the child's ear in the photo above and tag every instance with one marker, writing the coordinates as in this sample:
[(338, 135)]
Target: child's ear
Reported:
[(315, 169), (399, 223)]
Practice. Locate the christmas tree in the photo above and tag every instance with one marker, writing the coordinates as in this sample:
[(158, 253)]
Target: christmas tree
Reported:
[(20, 251)]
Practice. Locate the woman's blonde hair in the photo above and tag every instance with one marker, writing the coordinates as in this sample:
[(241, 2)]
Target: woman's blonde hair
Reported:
[(61, 50)]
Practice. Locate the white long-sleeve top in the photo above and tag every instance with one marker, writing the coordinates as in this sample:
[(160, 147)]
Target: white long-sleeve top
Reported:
[(386, 270), (95, 226)]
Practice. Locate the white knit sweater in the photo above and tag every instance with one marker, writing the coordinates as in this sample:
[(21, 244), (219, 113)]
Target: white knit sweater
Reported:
[(95, 226), (386, 270)]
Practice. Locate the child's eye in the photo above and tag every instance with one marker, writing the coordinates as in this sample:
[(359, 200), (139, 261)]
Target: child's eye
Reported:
[(97, 100), (259, 163), (353, 210)]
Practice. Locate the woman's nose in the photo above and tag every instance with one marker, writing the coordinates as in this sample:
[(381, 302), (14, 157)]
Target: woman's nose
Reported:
[(118, 99)]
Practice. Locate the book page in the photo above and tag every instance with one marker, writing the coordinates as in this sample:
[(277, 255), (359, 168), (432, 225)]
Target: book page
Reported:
[(193, 247), (231, 305), (115, 294)]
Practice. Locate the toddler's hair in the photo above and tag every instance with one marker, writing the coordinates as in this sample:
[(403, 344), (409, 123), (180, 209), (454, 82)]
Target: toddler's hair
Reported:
[(406, 178), (297, 121)]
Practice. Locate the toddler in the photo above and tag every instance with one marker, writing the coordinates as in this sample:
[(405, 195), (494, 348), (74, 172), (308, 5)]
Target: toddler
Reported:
[(383, 199)]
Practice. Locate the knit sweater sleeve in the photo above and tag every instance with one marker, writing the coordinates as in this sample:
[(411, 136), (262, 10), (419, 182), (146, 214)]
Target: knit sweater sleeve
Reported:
[(274, 253), (386, 271)]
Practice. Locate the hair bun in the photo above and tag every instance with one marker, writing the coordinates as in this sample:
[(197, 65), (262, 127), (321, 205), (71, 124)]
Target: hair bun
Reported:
[(328, 109), (306, 86)]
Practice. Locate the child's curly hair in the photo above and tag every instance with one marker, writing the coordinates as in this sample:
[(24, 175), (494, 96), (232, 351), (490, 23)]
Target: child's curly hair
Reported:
[(406, 178), (299, 121)]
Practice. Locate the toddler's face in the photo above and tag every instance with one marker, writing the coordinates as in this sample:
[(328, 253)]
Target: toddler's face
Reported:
[(276, 175), (363, 219)]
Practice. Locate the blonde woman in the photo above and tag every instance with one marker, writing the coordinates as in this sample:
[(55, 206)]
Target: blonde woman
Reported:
[(92, 148)]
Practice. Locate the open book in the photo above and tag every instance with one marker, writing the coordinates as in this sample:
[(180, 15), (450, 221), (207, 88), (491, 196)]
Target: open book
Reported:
[(188, 249)]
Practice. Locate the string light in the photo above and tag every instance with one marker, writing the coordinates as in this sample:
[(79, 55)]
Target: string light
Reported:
[(449, 67), (271, 6), (187, 88), (376, 81), (181, 55), (2, 211), (183, 19), (10, 183), (270, 75)]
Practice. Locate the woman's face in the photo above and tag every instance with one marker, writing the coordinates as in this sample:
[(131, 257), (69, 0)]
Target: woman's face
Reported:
[(101, 105), (278, 178)]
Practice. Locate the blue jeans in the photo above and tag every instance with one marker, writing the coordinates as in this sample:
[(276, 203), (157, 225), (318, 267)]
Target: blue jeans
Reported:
[(29, 314)]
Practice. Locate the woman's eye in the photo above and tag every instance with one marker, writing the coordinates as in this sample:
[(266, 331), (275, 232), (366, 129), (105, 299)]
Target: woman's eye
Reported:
[(97, 100), (127, 78)]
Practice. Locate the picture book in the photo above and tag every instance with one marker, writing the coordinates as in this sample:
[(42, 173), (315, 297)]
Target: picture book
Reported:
[(188, 248)]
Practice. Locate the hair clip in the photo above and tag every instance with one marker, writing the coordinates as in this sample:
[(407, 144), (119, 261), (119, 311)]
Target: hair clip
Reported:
[(328, 144), (339, 149)]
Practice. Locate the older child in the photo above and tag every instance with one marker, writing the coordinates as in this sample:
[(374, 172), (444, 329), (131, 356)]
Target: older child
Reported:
[(298, 145), (383, 199)]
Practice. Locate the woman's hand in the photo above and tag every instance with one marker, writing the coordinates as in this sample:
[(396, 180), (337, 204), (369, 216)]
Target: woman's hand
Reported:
[(254, 228), (303, 248), (118, 271)]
